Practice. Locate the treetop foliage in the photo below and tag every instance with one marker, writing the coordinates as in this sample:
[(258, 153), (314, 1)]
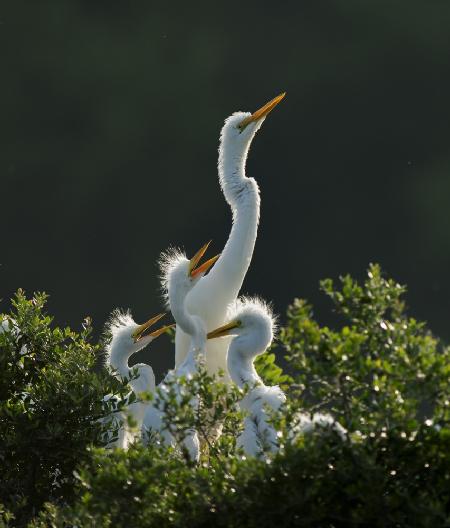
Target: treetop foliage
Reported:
[(382, 375)]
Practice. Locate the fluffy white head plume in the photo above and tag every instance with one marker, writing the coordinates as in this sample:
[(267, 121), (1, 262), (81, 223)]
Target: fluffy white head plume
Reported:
[(253, 307), (117, 322), (120, 346), (168, 261)]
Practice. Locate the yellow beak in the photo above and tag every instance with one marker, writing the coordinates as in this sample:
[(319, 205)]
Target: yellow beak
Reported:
[(262, 112), (224, 330), (139, 332), (193, 270)]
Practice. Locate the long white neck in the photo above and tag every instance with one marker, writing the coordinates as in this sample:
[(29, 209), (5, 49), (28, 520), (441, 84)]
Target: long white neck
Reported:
[(225, 279), (240, 366), (118, 360), (231, 166), (191, 325), (211, 296)]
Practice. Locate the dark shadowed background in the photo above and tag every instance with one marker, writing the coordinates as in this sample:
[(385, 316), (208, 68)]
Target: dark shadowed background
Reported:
[(110, 120)]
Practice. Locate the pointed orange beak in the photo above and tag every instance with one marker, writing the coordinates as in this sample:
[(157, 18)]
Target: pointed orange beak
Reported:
[(203, 268), (223, 330), (140, 330), (262, 112), (161, 330)]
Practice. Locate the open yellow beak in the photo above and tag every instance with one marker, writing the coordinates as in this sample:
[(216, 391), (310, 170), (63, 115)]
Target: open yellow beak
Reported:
[(203, 268), (140, 330), (224, 330), (262, 112)]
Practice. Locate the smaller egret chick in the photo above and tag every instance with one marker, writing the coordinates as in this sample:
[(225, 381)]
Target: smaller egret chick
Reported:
[(252, 323), (179, 276), (307, 424), (9, 325), (127, 339), (4, 326)]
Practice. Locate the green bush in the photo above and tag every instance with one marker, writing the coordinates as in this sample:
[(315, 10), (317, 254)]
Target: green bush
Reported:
[(380, 370), (382, 375), (50, 406)]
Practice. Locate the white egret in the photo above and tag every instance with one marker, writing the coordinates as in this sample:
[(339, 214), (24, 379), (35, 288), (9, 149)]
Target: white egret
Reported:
[(180, 275), (308, 423), (252, 324), (128, 338), (212, 295), (9, 325)]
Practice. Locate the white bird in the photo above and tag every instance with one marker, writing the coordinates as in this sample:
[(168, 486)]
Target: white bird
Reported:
[(210, 298), (252, 324), (180, 275), (128, 338), (4, 326), (9, 325), (308, 423)]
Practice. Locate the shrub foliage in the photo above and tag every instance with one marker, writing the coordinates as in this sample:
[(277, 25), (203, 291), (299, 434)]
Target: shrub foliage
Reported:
[(382, 375)]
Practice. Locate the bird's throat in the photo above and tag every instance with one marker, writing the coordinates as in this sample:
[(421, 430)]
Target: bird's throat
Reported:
[(241, 369)]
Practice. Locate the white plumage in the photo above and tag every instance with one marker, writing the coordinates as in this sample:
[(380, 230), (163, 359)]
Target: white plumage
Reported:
[(252, 324), (127, 338), (306, 424), (179, 276), (9, 325), (210, 298)]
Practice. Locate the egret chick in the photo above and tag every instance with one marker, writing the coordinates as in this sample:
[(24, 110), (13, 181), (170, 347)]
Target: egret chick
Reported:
[(127, 339), (252, 325), (9, 325), (309, 423), (180, 275)]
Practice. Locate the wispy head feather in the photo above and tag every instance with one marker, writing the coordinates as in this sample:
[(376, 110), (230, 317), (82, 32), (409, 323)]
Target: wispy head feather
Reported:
[(253, 306), (168, 260), (117, 321)]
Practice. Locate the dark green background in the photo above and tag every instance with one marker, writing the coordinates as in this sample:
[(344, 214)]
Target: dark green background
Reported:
[(110, 116)]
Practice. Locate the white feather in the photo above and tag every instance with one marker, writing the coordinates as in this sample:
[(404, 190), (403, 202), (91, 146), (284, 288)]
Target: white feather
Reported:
[(221, 287), (177, 281), (252, 335), (119, 349)]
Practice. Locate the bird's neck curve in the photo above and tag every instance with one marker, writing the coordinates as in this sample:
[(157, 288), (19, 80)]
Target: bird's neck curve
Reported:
[(240, 366), (191, 325), (231, 166), (226, 277), (118, 360)]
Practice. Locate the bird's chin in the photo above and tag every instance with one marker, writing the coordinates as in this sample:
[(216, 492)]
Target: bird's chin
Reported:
[(142, 342), (250, 130), (232, 133)]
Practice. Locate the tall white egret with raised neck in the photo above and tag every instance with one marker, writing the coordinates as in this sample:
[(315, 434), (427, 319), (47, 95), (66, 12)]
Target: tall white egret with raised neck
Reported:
[(252, 325), (128, 338), (180, 275), (210, 298)]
